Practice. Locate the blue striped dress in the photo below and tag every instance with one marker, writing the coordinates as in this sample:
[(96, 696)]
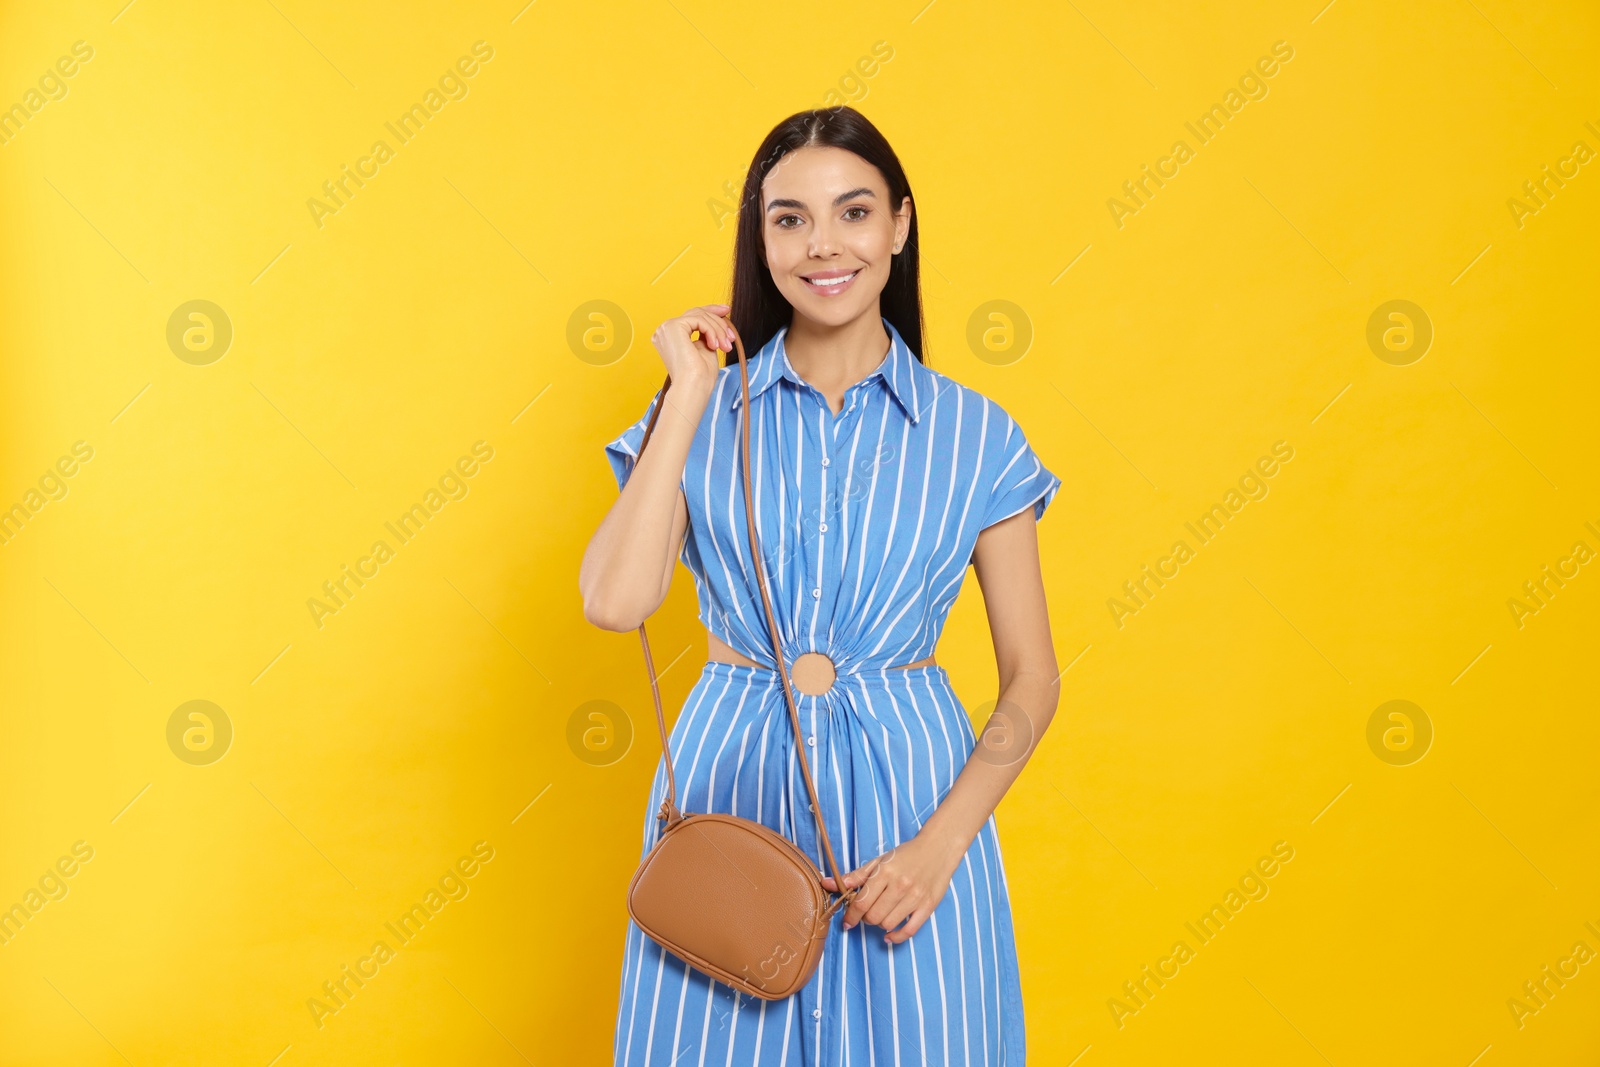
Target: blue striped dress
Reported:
[(868, 520)]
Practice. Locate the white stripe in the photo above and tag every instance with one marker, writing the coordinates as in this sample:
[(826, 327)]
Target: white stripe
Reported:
[(856, 608), (922, 515), (847, 483), (944, 531), (728, 520), (977, 927)]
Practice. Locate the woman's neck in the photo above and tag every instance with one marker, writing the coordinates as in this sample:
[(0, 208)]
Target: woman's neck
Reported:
[(833, 358)]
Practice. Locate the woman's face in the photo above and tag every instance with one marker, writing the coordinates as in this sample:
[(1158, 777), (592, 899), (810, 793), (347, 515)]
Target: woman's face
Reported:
[(826, 217)]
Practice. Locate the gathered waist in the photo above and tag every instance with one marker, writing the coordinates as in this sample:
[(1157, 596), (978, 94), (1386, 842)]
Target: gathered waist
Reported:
[(719, 651)]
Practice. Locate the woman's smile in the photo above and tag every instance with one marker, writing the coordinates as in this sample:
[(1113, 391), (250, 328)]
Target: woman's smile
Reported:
[(830, 282)]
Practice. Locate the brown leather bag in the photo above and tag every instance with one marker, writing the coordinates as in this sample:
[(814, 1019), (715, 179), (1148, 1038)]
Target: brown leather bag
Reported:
[(729, 896)]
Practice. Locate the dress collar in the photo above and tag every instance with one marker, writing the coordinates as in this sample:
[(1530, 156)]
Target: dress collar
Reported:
[(902, 372)]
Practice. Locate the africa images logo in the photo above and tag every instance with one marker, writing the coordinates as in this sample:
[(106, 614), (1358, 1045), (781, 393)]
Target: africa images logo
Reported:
[(337, 192), (453, 885), (453, 485)]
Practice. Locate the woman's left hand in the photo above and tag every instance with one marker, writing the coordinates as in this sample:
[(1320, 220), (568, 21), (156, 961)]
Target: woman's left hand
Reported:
[(904, 884)]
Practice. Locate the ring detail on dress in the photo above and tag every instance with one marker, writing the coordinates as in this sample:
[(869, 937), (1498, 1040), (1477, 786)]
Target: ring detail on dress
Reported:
[(813, 673)]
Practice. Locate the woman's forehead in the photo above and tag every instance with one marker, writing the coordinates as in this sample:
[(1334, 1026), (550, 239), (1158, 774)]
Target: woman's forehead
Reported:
[(820, 171)]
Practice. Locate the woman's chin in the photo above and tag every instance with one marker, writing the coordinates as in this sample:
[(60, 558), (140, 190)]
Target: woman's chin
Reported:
[(829, 311)]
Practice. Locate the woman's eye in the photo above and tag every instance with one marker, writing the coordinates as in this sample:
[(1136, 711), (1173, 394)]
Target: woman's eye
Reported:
[(856, 208), (786, 218)]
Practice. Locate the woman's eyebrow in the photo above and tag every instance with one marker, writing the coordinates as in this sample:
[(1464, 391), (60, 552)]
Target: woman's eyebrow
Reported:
[(841, 198)]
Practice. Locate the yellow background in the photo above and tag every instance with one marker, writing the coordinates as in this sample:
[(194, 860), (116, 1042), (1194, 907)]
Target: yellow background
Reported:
[(432, 311)]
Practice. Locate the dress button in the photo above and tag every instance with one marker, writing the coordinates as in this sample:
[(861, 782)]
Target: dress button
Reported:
[(823, 528), (825, 461), (816, 594), (812, 741), (816, 1013)]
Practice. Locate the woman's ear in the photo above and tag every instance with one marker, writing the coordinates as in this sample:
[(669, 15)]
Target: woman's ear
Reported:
[(902, 224)]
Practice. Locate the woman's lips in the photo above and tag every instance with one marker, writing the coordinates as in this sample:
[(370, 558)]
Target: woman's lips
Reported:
[(833, 289)]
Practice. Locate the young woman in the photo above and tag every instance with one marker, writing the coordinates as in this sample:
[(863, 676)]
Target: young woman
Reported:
[(877, 481)]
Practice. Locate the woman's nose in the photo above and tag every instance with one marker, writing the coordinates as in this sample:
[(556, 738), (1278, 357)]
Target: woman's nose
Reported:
[(823, 243)]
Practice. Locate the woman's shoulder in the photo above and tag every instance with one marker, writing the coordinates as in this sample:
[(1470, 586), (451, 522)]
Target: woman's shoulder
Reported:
[(976, 408)]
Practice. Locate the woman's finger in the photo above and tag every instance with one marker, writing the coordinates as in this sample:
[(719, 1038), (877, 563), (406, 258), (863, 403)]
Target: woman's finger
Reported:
[(851, 878), (861, 877), (718, 328), (719, 312), (891, 904), (698, 320), (913, 924), (861, 902)]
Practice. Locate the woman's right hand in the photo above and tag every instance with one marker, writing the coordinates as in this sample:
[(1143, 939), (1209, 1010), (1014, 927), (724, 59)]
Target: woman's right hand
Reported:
[(688, 359), (627, 567)]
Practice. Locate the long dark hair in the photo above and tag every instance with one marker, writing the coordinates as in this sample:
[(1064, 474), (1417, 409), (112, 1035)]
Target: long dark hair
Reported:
[(758, 309)]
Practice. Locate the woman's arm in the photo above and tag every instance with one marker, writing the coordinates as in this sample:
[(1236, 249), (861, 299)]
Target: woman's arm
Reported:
[(908, 882), (627, 566), (1006, 561)]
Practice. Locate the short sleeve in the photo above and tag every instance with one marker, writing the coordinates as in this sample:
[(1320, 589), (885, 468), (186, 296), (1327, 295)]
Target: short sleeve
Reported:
[(1019, 479), (623, 451)]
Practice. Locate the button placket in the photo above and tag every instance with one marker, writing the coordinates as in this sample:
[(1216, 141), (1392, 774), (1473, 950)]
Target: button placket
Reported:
[(815, 541), (833, 503), (822, 527)]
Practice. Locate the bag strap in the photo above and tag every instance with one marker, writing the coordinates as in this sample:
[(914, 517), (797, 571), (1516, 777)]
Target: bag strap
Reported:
[(669, 807)]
